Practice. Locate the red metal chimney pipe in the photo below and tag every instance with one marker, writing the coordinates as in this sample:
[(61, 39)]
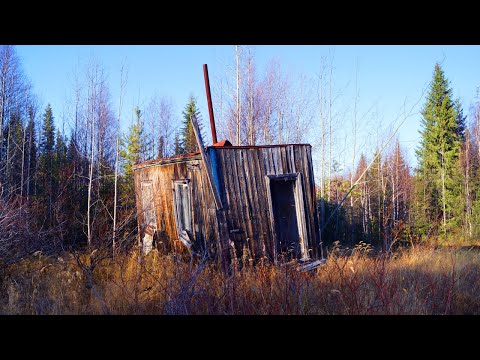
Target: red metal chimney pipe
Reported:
[(209, 101)]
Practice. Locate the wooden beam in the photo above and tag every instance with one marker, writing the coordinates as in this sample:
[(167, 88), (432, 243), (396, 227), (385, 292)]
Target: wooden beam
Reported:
[(311, 265), (206, 161), (223, 233)]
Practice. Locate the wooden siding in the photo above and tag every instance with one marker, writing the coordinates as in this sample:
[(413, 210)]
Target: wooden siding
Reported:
[(162, 178), (242, 172), (240, 175)]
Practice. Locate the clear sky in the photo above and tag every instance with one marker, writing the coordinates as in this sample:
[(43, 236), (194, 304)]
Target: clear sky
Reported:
[(388, 76)]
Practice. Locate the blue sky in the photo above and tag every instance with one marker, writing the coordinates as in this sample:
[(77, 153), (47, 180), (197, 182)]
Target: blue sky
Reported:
[(388, 76)]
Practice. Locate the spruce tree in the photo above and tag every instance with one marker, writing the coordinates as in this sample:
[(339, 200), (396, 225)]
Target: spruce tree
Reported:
[(60, 152), (461, 127), (133, 149), (47, 164), (161, 147), (189, 143), (177, 145), (437, 184), (374, 176), (30, 157)]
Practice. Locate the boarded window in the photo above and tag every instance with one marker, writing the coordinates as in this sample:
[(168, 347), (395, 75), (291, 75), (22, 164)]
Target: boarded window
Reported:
[(148, 204), (148, 207), (182, 208)]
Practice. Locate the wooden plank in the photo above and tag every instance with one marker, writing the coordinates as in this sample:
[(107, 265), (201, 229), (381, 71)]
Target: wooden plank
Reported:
[(310, 196), (305, 179), (203, 201), (314, 219), (226, 255), (213, 217), (271, 219), (257, 213), (277, 160), (221, 220), (229, 175), (225, 170), (213, 223), (243, 198), (274, 168), (247, 175), (167, 161), (265, 162), (221, 214), (311, 265), (286, 168), (238, 189), (268, 161), (201, 204), (283, 169), (206, 161), (254, 156), (300, 210), (205, 205), (293, 159)]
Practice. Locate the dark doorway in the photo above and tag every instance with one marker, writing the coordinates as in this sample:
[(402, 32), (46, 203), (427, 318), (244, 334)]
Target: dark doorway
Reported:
[(285, 217)]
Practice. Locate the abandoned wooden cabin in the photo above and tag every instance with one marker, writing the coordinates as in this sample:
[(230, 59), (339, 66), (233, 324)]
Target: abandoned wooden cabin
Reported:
[(226, 200), (267, 192)]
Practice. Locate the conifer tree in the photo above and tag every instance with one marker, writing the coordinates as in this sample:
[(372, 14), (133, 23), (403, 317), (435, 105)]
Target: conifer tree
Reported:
[(461, 127), (47, 164), (189, 143), (30, 157), (177, 145), (60, 152), (133, 149), (437, 187)]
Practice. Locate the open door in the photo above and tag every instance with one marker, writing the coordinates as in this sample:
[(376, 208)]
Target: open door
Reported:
[(287, 216)]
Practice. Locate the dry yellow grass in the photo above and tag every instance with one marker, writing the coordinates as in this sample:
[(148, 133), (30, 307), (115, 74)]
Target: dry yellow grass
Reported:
[(415, 281)]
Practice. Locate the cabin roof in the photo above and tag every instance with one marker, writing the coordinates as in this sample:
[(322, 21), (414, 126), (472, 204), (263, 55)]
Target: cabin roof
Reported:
[(224, 144)]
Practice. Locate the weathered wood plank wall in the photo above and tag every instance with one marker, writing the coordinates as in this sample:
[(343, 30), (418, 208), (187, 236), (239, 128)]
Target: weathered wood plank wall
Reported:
[(162, 177), (240, 173)]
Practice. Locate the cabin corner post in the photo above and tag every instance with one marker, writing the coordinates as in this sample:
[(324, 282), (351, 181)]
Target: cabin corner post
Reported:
[(317, 238), (305, 240), (220, 210)]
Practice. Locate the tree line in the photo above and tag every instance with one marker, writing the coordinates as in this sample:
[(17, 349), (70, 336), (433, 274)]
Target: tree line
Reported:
[(395, 203), (74, 189), (69, 190)]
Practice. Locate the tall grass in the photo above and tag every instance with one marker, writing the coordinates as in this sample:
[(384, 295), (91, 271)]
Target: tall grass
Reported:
[(414, 281)]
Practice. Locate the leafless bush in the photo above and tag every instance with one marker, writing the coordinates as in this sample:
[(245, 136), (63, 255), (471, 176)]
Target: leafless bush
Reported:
[(19, 235)]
